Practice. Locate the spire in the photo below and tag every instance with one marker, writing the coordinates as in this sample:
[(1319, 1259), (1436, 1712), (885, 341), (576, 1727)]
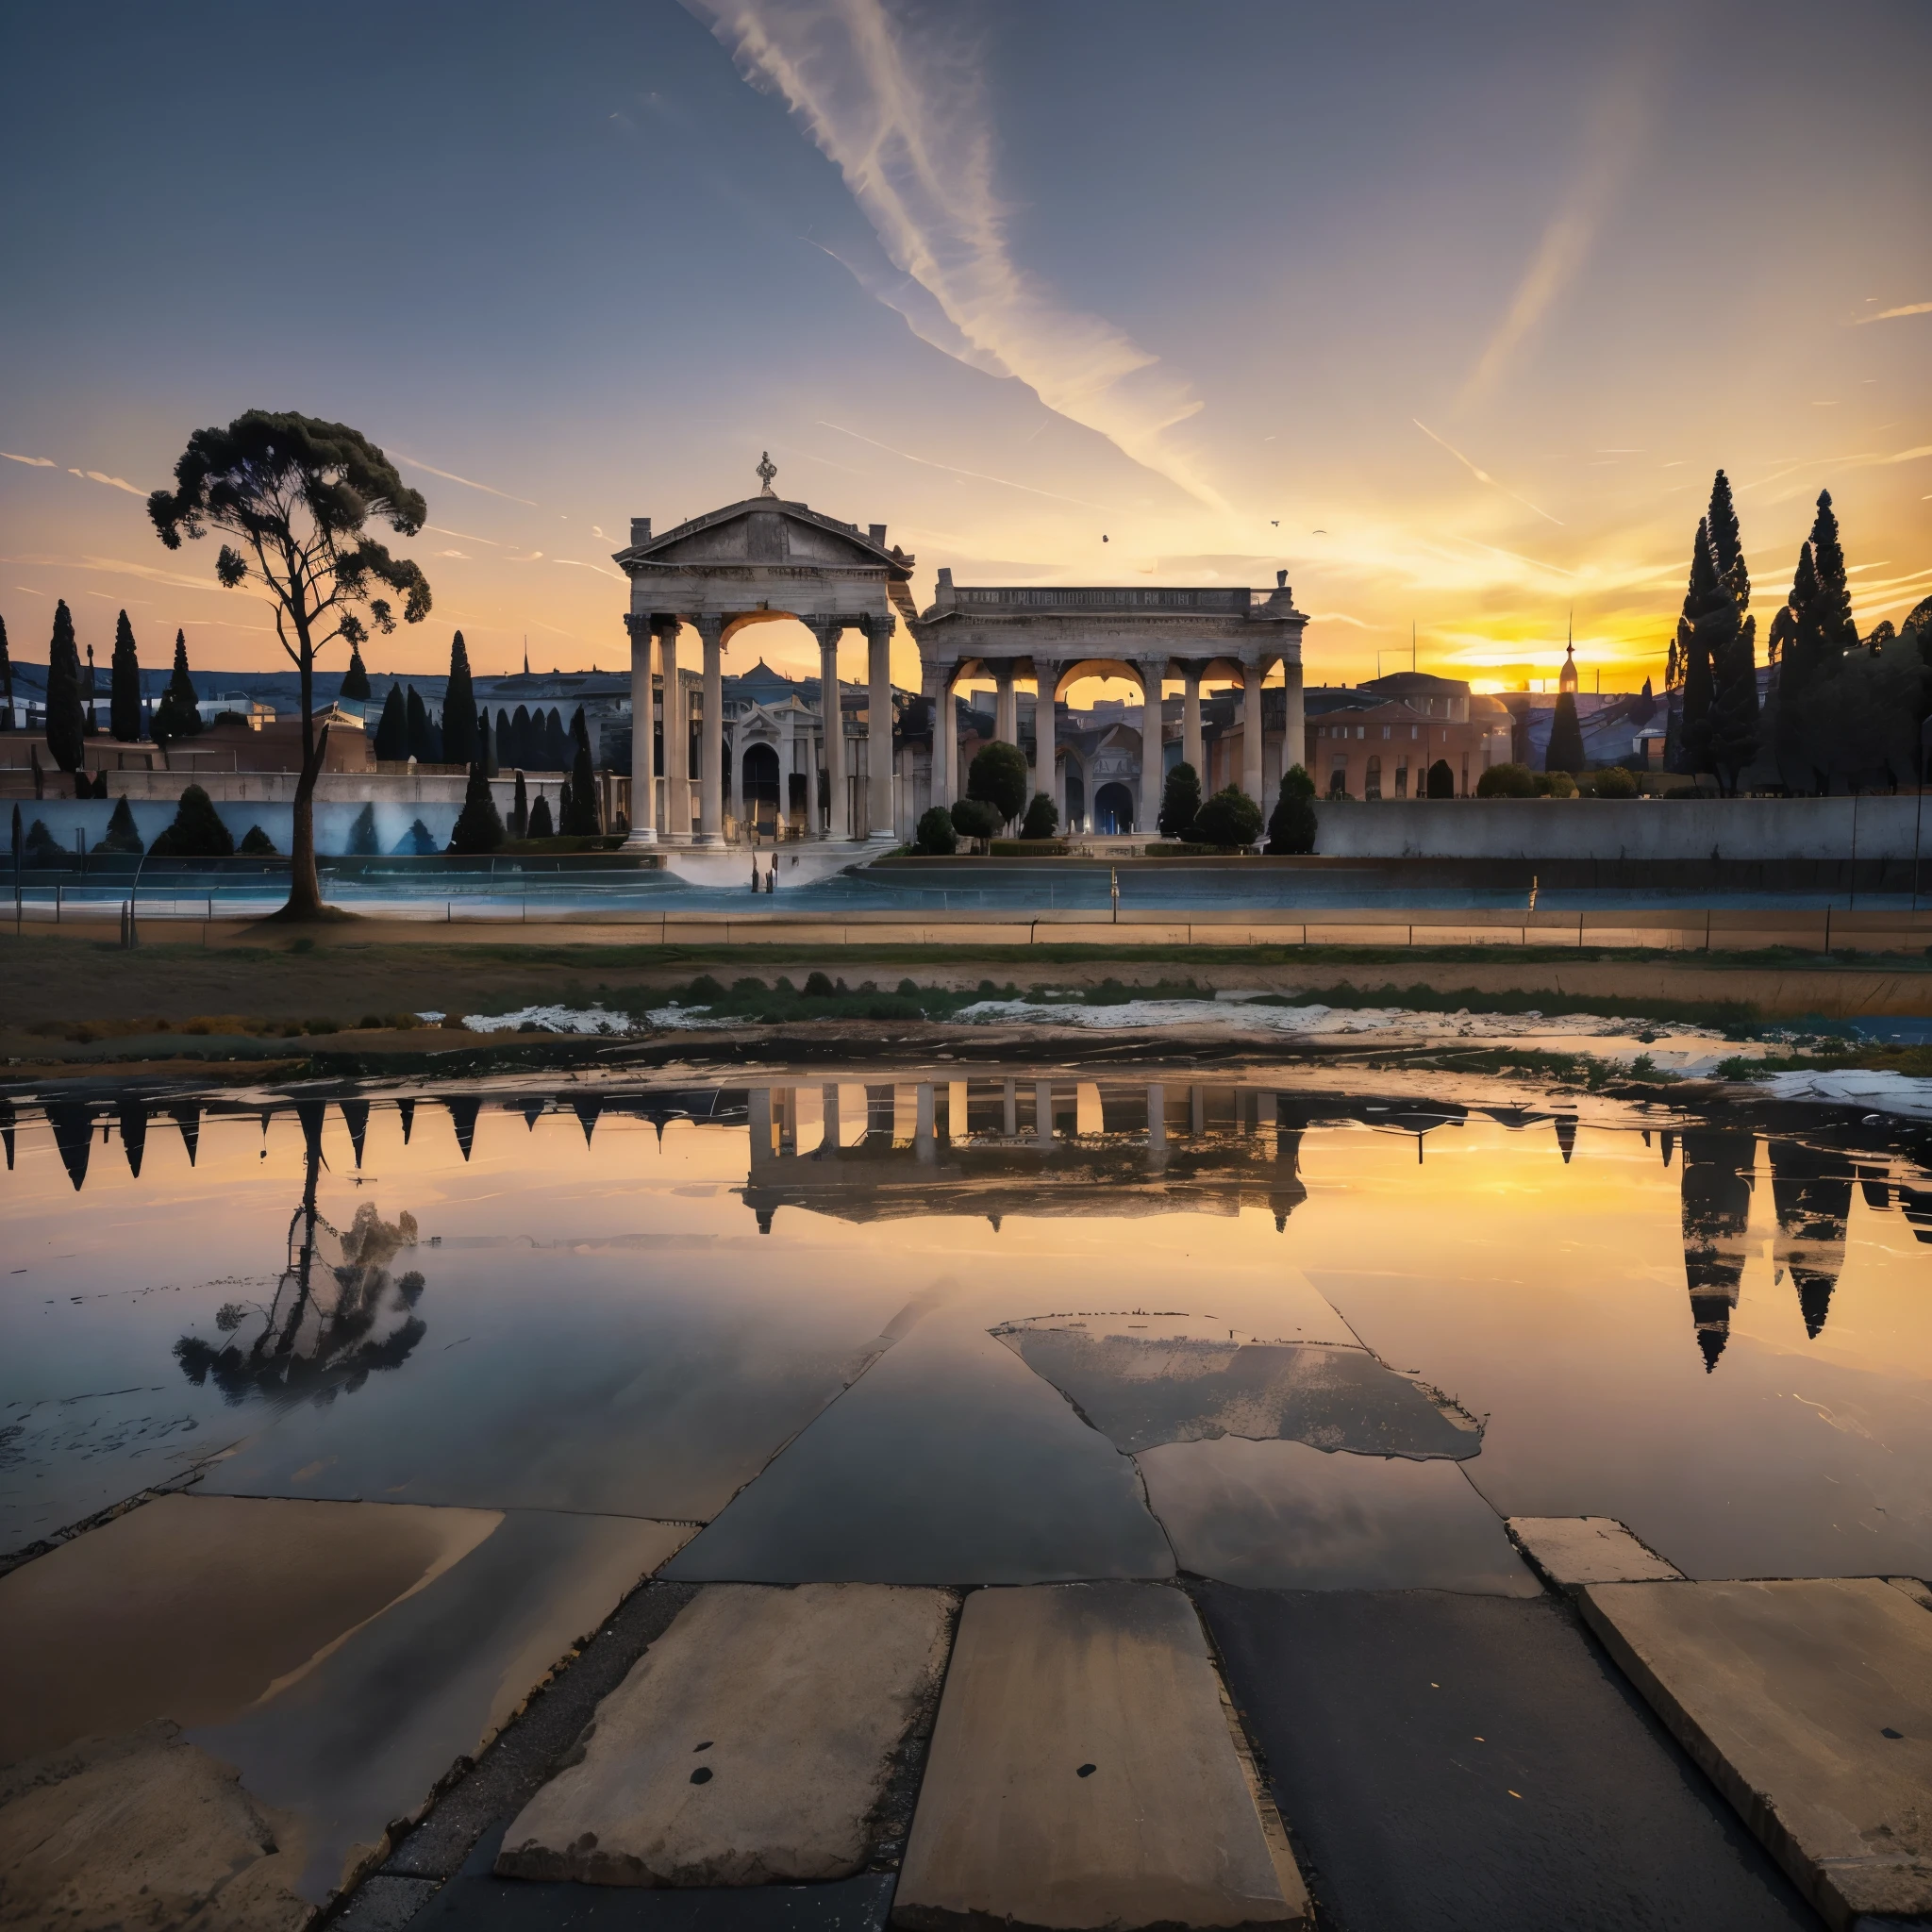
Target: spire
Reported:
[(1567, 681)]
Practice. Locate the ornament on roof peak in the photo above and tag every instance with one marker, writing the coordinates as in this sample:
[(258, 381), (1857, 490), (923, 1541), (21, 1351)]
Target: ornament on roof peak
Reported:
[(767, 470)]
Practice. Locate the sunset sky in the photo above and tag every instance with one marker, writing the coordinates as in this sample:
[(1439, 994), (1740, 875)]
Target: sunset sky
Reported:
[(1451, 312)]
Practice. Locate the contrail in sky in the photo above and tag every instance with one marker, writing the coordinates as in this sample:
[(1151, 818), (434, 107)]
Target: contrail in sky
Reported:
[(901, 115), (1483, 475), (953, 469)]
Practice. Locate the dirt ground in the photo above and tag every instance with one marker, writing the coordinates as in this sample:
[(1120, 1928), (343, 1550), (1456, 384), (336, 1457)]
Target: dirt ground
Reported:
[(344, 976)]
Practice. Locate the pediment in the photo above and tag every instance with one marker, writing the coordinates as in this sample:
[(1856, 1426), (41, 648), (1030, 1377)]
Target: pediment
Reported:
[(763, 531)]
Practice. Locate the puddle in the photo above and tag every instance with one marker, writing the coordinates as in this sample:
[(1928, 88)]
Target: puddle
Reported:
[(1144, 1381)]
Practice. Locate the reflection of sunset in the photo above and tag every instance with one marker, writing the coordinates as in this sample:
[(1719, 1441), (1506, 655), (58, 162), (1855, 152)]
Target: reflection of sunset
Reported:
[(1615, 1319)]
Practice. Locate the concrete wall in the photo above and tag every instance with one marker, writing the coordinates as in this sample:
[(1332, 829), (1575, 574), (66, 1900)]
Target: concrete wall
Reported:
[(1875, 827)]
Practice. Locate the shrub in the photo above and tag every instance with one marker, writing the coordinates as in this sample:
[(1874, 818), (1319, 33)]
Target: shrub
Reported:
[(1555, 785), (1180, 800), (818, 985), (416, 843), (1506, 781), (935, 837), (541, 827), (1291, 825), (977, 818), (1229, 818), (363, 834), (42, 845), (1042, 818), (997, 777), (257, 844), (1616, 782), (197, 830), (1442, 780), (121, 835)]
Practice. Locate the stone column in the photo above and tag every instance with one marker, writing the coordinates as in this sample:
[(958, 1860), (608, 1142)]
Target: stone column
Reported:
[(1251, 732), (1190, 722), (831, 724), (1295, 739), (643, 775), (945, 741), (1010, 1117), (1046, 738), (829, 1137), (711, 630), (1005, 725), (925, 1144), (1150, 775), (1157, 1124), (675, 829), (1043, 1115), (881, 813)]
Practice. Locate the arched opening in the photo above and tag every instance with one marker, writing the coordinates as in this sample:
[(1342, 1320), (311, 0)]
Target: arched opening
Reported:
[(761, 792), (1371, 782), (1113, 809)]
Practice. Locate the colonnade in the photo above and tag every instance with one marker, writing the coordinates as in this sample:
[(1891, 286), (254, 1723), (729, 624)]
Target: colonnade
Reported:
[(874, 746), (1151, 672)]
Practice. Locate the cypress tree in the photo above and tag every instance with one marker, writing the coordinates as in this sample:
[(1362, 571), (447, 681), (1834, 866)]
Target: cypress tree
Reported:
[(1815, 631), (541, 827), (1733, 737), (1442, 781), (421, 749), (356, 679), (1180, 799), (257, 844), (487, 750), (579, 730), (1703, 598), (479, 826), (123, 688), (363, 834), (520, 812), (65, 726), (556, 748), (393, 728), (510, 750), (6, 681), (1836, 631), (1565, 752), (94, 723), (179, 715), (580, 815), (460, 746)]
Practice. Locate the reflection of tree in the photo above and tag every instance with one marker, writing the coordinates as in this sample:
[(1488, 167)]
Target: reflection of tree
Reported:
[(1717, 1208), (1813, 1193), (337, 1315)]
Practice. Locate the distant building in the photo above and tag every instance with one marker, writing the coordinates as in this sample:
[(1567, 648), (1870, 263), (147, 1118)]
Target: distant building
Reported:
[(1378, 739)]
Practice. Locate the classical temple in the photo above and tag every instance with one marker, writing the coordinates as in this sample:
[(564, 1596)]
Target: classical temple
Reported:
[(778, 763)]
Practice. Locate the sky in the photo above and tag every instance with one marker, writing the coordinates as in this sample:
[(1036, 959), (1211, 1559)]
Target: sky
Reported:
[(1451, 313)]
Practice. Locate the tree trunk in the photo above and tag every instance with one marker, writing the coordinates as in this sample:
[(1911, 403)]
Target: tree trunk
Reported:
[(305, 889)]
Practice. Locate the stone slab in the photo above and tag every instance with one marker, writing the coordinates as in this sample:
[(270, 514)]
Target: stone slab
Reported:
[(1084, 1772), (1570, 1551), (1918, 1591), (1809, 1704), (1285, 1516), (142, 1831), (192, 1607), (364, 1737), (1471, 1764), (751, 1744), (478, 1901)]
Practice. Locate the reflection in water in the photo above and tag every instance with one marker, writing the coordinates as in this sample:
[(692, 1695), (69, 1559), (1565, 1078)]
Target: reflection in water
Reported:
[(1717, 1210), (1812, 1190), (337, 1315)]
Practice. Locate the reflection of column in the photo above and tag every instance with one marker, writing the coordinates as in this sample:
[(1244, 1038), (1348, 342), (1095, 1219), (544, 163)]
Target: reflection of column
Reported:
[(785, 1104), (1197, 1111), (676, 827), (881, 814), (1156, 1121), (644, 777), (1043, 1115), (1250, 731), (710, 626), (1191, 720), (1005, 725), (923, 1146), (1010, 1119), (878, 1113), (832, 723), (829, 1139), (1150, 775), (760, 1125)]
